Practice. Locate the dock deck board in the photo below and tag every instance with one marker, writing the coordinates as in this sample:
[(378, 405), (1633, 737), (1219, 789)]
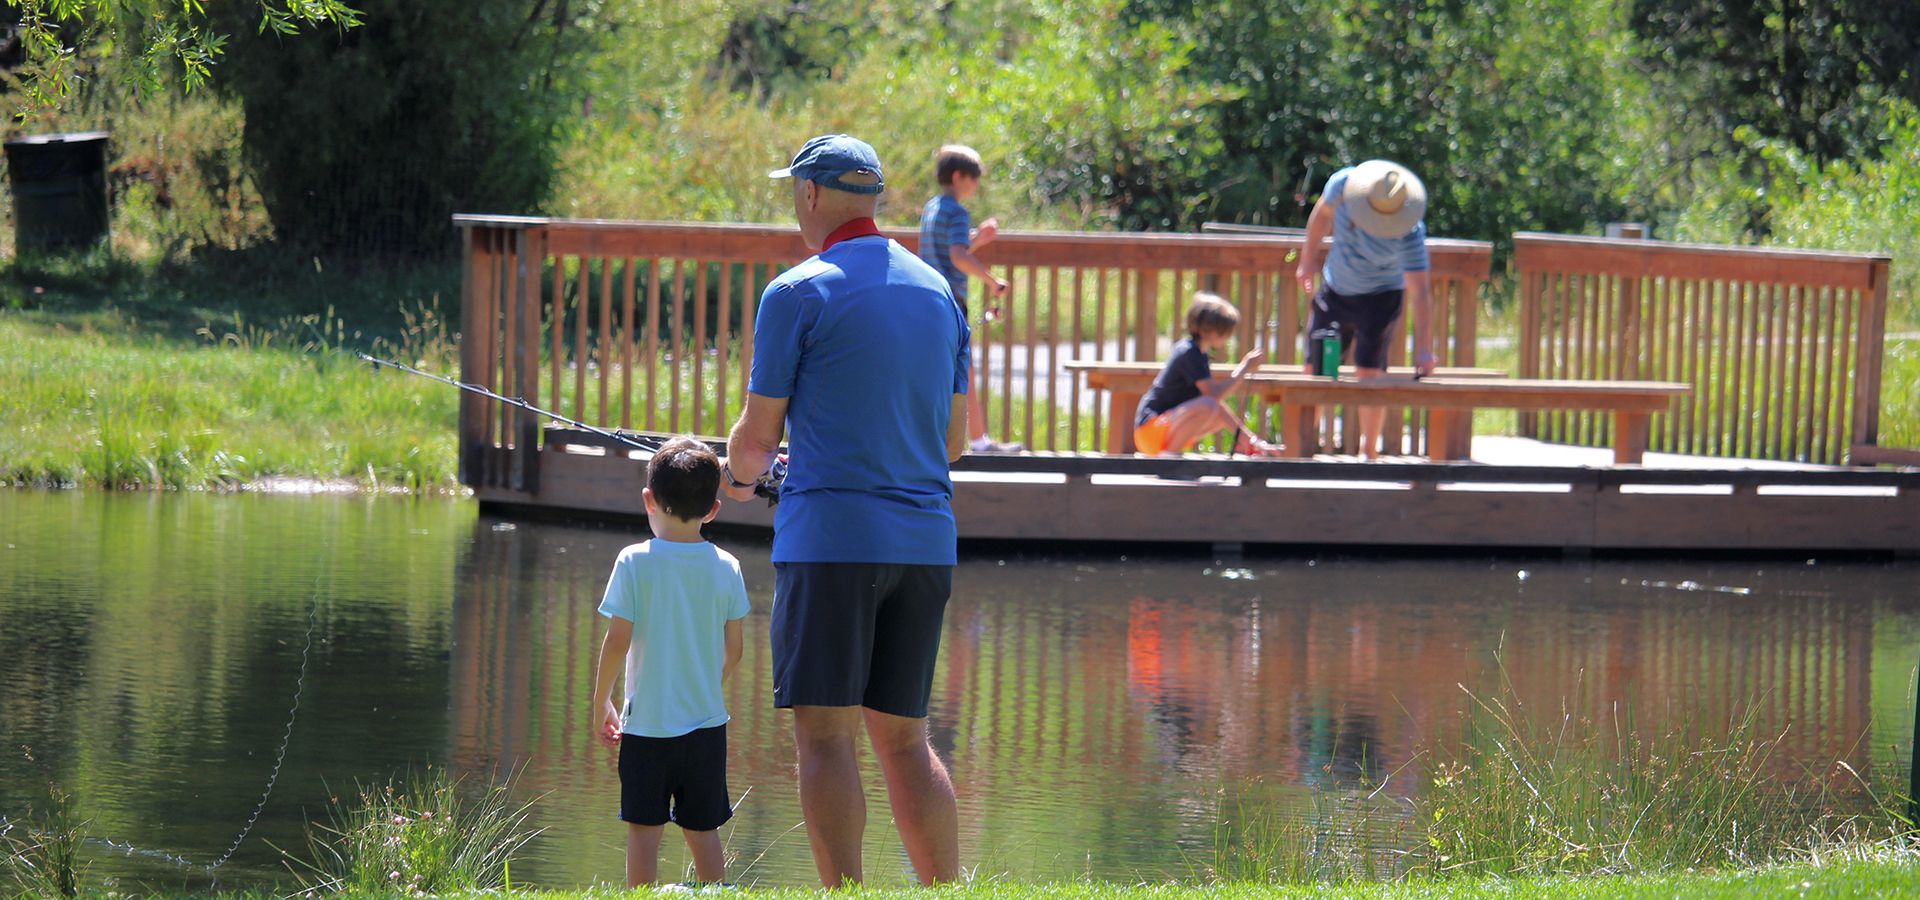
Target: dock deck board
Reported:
[(1521, 494)]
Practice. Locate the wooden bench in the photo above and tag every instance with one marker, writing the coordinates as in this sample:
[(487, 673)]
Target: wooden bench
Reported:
[(1450, 402), (1127, 381)]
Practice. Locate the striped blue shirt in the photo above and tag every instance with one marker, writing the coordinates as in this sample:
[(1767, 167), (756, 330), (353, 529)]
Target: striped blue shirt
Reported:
[(943, 224), (1360, 263)]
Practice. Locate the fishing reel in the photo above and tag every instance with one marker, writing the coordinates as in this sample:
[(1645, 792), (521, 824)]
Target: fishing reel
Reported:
[(768, 484)]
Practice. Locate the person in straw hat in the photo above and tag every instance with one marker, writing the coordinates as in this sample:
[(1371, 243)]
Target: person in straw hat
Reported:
[(1378, 258)]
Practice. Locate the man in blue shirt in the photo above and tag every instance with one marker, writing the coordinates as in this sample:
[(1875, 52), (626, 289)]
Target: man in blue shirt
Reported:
[(1379, 255), (860, 356)]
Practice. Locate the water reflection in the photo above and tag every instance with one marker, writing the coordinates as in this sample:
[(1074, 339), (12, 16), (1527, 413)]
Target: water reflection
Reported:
[(1098, 714), (1101, 716)]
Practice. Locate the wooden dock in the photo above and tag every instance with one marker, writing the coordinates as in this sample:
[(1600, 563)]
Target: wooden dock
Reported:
[(1330, 502), (1771, 354)]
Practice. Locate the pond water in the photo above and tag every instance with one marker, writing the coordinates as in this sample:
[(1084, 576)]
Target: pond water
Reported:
[(1101, 713)]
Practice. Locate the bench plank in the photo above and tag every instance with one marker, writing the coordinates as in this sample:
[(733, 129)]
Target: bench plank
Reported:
[(1450, 403), (1467, 393), (1127, 381)]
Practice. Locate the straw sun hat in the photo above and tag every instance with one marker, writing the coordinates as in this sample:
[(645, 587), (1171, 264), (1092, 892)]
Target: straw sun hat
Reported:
[(1384, 199)]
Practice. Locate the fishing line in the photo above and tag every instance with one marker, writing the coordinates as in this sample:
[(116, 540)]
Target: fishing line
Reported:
[(648, 444), (767, 485), (286, 737), (273, 778), (131, 850)]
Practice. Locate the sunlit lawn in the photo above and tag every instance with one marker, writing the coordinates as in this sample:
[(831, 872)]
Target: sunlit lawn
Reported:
[(94, 401)]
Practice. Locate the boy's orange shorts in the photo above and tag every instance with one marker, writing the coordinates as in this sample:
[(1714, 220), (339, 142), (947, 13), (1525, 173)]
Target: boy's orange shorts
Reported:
[(1151, 437)]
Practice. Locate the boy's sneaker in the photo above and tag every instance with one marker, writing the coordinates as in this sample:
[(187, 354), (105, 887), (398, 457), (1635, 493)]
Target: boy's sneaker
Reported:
[(985, 444)]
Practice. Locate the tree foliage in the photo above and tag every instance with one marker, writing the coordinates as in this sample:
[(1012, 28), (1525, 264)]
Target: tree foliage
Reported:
[(1810, 72), (1501, 105), (158, 37), (366, 141)]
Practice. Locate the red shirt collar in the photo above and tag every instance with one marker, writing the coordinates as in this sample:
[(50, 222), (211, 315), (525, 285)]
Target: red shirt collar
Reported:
[(861, 227)]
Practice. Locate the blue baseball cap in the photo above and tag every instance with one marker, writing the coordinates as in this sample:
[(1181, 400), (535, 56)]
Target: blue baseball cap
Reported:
[(829, 156)]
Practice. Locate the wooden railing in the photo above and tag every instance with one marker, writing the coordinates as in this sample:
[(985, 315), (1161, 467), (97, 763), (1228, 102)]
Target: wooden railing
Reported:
[(1782, 347), (650, 324)]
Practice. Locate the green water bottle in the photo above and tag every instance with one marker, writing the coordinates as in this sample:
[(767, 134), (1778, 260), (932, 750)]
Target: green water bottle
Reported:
[(1324, 345)]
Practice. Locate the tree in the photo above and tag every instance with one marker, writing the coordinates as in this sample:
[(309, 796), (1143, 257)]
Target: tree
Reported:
[(156, 35), (1502, 106), (366, 141), (1805, 71)]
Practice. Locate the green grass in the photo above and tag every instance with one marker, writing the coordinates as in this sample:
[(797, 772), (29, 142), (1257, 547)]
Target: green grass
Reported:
[(226, 289), (40, 851), (1893, 875), (1539, 793), (1900, 395), (1887, 873), (417, 835), (98, 400)]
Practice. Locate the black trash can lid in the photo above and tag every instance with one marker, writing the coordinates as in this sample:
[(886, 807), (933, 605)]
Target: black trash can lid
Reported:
[(71, 137)]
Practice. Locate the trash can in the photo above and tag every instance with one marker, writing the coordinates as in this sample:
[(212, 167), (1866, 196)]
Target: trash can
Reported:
[(59, 190)]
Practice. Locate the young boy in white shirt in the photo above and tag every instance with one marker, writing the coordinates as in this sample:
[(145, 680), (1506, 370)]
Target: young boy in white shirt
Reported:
[(674, 606)]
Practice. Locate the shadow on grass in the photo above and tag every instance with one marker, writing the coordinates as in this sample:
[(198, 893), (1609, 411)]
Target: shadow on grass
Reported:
[(219, 289)]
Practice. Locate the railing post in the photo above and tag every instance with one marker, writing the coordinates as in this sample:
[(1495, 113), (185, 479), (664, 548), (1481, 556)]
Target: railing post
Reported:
[(472, 428), (1871, 351), (1626, 335), (526, 426), (1146, 319)]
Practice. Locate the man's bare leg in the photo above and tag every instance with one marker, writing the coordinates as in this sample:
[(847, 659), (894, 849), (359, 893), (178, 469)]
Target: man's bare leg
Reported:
[(831, 798), (1372, 421), (921, 794)]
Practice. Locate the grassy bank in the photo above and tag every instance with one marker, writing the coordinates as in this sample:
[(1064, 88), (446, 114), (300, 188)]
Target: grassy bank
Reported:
[(1885, 875), (100, 400), (117, 400), (1892, 876)]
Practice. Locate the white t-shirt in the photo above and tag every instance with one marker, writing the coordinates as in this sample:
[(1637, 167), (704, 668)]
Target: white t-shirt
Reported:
[(679, 597)]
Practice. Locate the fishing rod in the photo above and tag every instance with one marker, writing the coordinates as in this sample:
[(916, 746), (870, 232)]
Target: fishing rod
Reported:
[(767, 485)]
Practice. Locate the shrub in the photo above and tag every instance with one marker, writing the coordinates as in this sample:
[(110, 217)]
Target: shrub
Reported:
[(40, 855), (415, 835)]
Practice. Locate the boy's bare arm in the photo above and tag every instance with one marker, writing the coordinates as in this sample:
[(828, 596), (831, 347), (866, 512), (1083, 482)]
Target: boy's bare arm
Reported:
[(734, 643), (985, 234), (1219, 388), (613, 659), (965, 261)]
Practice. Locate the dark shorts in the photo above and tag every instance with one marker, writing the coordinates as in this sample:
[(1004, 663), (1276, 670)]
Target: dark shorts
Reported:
[(1365, 322), (678, 779), (857, 634)]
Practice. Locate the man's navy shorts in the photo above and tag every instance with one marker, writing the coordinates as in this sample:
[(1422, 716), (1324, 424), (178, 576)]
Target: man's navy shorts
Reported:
[(677, 779), (1365, 321), (857, 634)]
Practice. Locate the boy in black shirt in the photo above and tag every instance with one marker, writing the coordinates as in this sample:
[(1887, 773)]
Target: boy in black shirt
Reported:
[(1184, 404)]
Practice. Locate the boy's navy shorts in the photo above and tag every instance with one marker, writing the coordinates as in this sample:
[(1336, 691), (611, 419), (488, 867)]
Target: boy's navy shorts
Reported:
[(679, 779), (857, 634), (1365, 320)]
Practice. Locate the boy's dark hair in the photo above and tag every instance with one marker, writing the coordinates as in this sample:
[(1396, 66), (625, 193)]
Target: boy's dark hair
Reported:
[(684, 476), (1210, 313), (956, 158)]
